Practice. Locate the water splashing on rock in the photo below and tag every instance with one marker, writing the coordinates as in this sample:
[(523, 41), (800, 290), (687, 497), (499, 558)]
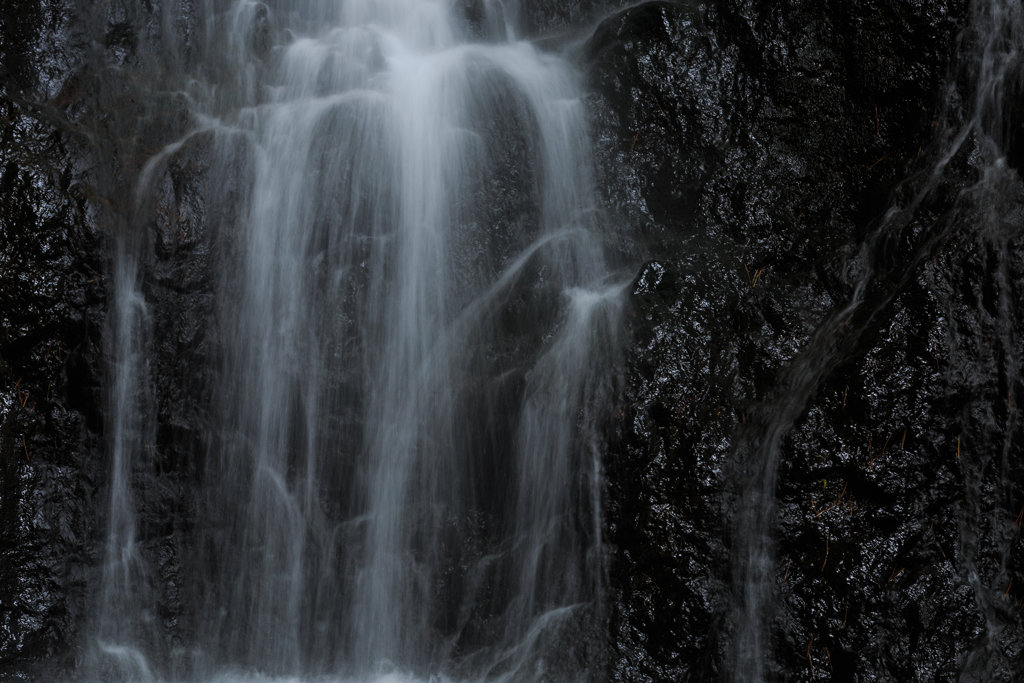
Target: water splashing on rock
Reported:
[(416, 341)]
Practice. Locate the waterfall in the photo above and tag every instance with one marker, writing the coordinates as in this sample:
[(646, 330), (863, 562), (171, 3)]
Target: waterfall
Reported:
[(416, 342)]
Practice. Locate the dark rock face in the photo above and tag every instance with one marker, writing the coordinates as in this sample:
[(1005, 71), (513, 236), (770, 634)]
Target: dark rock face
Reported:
[(748, 154), (760, 147), (52, 304)]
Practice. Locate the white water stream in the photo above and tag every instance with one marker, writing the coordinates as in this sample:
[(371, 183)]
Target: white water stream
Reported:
[(416, 330)]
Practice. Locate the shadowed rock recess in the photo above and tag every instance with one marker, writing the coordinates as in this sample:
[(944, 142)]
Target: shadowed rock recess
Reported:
[(812, 462)]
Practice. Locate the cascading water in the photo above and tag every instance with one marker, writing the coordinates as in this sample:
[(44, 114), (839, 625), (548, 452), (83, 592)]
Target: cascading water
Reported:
[(417, 335)]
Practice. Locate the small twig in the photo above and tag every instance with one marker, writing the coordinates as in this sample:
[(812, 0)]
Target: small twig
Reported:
[(838, 502), (826, 554), (25, 444), (819, 513), (904, 439), (845, 391), (958, 448), (1020, 518), (1007, 592), (809, 660), (786, 575), (879, 161)]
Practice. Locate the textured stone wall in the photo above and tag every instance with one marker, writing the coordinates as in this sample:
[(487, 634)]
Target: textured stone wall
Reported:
[(746, 152), (757, 147)]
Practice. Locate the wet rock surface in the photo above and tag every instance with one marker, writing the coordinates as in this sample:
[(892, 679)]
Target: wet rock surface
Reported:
[(52, 303), (758, 148), (746, 152), (52, 306)]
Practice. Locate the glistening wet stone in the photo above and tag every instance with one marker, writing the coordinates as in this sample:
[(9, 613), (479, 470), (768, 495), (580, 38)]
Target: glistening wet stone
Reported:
[(790, 144), (745, 151)]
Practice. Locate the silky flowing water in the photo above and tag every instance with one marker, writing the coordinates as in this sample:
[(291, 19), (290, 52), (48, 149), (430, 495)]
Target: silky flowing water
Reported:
[(415, 343), (402, 476)]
